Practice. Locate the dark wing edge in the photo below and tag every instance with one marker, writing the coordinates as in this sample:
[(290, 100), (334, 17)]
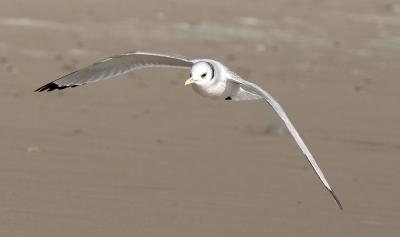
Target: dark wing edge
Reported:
[(53, 85)]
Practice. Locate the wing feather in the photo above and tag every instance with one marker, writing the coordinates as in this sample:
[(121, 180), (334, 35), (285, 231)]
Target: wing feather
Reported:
[(117, 65), (253, 88)]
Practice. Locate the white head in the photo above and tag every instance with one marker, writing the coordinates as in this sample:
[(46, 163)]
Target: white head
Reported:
[(201, 73)]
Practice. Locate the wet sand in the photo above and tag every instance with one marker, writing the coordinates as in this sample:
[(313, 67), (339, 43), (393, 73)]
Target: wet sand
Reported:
[(146, 156)]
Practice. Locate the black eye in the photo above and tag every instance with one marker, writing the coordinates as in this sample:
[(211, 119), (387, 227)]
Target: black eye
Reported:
[(203, 75)]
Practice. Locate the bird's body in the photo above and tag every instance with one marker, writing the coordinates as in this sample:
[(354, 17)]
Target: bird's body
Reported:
[(209, 78)]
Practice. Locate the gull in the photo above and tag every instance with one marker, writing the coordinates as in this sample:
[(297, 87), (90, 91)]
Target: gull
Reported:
[(209, 78)]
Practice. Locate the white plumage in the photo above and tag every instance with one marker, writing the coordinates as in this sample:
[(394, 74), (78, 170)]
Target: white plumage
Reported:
[(209, 78)]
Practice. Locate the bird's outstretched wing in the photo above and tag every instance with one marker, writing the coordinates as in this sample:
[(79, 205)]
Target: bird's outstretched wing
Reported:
[(255, 89), (115, 66)]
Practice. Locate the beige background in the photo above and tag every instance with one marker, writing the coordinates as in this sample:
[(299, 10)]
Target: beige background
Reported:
[(145, 156)]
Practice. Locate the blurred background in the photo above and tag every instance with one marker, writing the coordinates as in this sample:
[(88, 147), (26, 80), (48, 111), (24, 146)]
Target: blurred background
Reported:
[(146, 156)]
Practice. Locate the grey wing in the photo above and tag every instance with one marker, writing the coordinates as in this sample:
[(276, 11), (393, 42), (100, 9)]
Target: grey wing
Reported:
[(115, 66), (255, 89)]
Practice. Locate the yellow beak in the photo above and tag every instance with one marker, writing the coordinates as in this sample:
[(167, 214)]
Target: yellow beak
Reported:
[(189, 81)]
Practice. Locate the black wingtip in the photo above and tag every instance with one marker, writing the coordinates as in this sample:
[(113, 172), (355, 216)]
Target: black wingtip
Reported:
[(48, 87), (336, 199), (52, 86)]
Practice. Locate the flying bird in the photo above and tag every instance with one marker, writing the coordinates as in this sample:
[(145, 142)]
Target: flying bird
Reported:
[(209, 78)]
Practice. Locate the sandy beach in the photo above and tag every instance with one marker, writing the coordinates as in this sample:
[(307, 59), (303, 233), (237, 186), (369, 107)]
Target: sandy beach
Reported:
[(144, 155)]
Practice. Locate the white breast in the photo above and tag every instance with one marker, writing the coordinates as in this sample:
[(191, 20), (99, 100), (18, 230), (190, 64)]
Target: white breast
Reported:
[(220, 88)]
